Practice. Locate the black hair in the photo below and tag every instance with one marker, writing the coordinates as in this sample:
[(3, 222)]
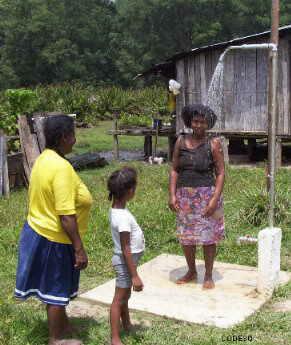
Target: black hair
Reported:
[(191, 111), (120, 182), (55, 128)]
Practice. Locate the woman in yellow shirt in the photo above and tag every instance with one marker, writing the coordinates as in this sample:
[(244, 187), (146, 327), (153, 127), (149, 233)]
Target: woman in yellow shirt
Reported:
[(51, 251)]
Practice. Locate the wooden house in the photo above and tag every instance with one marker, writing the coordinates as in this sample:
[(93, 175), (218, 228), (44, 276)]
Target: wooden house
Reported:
[(245, 86)]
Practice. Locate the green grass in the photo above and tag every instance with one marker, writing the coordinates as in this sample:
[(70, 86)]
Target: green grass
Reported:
[(25, 323), (97, 139)]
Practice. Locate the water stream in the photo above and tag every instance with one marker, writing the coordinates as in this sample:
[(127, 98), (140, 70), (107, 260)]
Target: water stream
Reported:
[(215, 92)]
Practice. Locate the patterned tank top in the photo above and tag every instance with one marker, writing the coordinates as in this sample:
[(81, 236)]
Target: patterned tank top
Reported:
[(196, 166)]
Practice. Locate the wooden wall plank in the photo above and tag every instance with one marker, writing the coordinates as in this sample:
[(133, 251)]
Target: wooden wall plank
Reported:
[(208, 69), (289, 86), (1, 163), (228, 91), (280, 123), (180, 99), (251, 118), (190, 82), (262, 88), (203, 86), (197, 79), (284, 88)]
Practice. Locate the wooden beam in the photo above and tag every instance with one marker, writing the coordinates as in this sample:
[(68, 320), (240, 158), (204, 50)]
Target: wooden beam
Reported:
[(38, 124), (148, 147), (224, 145), (4, 178), (171, 144), (1, 163), (115, 137), (29, 145)]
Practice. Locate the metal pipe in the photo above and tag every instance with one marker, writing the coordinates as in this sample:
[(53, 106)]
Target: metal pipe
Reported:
[(268, 46), (255, 46), (246, 240)]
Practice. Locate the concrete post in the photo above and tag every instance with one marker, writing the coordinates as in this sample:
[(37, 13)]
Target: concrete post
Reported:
[(269, 246)]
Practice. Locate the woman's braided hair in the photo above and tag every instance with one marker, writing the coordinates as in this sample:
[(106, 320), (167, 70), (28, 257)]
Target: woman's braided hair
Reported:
[(120, 182)]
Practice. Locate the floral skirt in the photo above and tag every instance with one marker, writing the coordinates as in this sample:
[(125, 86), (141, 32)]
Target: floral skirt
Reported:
[(192, 227)]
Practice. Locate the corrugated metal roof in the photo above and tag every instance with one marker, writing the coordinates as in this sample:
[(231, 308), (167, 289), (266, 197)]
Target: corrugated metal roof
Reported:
[(159, 67), (234, 41)]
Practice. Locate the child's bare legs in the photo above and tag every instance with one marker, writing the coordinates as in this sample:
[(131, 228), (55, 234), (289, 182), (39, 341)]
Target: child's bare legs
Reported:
[(189, 252), (209, 255), (119, 309), (125, 318), (58, 323)]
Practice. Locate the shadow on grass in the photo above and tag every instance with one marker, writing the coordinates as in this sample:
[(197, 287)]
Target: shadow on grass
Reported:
[(136, 333), (86, 328)]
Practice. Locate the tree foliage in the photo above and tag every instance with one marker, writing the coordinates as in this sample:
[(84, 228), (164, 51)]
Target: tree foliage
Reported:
[(106, 42), (47, 41)]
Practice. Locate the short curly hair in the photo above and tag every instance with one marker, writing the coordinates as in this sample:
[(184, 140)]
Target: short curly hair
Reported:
[(191, 111), (120, 182), (55, 127)]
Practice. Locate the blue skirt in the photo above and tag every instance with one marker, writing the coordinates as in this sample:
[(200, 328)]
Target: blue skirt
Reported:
[(45, 269)]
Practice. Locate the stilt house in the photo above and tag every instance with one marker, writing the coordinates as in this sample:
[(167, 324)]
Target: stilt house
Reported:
[(245, 86)]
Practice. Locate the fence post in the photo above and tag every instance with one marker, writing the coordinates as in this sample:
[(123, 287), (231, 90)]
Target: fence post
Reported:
[(115, 136), (224, 145), (4, 178)]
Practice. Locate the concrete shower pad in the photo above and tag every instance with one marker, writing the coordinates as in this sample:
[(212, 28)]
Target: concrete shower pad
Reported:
[(233, 299)]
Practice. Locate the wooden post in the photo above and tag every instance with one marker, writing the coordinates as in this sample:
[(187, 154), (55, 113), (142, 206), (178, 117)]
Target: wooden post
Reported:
[(115, 137), (148, 148), (225, 149), (278, 152), (252, 145), (4, 178), (1, 163), (171, 144), (156, 141), (273, 109), (29, 145)]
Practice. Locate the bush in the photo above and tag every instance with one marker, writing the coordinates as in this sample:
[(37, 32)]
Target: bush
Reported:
[(134, 107), (69, 98), (15, 102), (256, 206), (134, 120)]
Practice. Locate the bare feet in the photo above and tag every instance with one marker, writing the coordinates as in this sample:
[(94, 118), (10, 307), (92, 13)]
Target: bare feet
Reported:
[(188, 277), (208, 284)]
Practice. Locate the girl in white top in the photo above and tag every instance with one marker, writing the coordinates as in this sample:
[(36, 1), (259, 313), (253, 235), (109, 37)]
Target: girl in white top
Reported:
[(129, 245)]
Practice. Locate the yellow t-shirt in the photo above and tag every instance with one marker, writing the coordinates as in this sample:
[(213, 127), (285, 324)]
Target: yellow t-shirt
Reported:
[(55, 189)]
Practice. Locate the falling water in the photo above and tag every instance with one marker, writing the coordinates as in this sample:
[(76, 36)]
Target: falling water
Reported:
[(215, 91)]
